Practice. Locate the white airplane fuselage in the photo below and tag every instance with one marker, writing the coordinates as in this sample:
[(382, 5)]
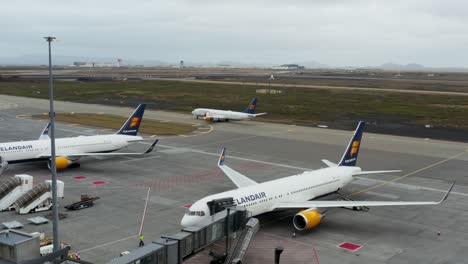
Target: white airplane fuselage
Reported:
[(22, 151), (261, 198), (221, 115)]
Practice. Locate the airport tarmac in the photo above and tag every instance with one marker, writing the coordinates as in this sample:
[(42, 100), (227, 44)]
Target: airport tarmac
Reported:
[(183, 169)]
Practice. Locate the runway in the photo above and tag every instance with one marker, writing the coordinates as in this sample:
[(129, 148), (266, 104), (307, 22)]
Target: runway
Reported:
[(183, 169)]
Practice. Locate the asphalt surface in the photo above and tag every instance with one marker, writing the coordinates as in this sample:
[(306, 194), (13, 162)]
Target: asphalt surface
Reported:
[(183, 169)]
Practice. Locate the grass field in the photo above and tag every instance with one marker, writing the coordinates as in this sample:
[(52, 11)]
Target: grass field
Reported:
[(150, 127), (299, 105)]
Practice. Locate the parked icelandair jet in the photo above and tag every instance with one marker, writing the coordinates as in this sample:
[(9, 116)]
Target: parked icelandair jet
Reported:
[(297, 191), (69, 150), (226, 115)]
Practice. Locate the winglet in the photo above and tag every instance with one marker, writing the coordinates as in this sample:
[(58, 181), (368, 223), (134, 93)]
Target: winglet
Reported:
[(45, 132), (150, 149), (447, 193), (222, 157)]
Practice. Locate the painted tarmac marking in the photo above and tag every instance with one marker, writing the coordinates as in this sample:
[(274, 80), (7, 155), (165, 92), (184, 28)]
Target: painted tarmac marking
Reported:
[(413, 187), (349, 246), (409, 174), (99, 182), (144, 212), (138, 159), (106, 244), (79, 178), (309, 169)]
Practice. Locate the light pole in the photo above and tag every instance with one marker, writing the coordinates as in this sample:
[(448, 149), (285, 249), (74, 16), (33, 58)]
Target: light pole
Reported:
[(53, 168)]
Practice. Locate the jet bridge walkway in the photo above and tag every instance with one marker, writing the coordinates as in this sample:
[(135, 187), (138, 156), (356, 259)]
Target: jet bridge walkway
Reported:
[(39, 198), (13, 188)]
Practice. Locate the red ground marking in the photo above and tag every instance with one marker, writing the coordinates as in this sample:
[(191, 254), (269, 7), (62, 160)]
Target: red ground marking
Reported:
[(99, 182), (350, 246), (187, 206), (79, 177)]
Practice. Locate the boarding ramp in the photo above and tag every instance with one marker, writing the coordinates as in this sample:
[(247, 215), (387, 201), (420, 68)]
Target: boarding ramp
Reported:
[(14, 188), (177, 248), (239, 249), (39, 198)]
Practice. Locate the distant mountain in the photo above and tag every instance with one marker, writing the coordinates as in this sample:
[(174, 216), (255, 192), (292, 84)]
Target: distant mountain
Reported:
[(395, 67), (311, 64)]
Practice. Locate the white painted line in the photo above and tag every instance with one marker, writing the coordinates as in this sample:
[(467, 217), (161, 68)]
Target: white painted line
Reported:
[(144, 212), (389, 196), (407, 186), (139, 159)]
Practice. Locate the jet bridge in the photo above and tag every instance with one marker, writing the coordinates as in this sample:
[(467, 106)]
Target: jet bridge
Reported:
[(13, 188), (39, 198)]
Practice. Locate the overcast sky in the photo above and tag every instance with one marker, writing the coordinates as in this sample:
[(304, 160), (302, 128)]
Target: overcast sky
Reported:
[(333, 32)]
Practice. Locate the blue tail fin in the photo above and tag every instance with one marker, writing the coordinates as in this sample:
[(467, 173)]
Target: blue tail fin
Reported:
[(251, 108), (131, 126), (351, 154), (45, 132)]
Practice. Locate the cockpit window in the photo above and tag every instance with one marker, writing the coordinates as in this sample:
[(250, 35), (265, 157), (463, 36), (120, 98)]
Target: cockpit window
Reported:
[(195, 213)]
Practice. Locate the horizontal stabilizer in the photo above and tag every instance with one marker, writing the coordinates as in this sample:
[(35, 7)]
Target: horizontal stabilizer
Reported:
[(375, 172), (238, 179), (329, 163)]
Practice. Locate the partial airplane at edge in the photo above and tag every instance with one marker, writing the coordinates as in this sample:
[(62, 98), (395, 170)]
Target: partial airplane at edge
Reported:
[(69, 150), (226, 115), (297, 191)]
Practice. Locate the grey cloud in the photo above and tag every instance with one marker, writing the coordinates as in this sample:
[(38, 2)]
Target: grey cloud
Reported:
[(337, 32)]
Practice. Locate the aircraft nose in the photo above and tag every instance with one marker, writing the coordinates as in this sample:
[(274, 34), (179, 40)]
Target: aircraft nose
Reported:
[(185, 222)]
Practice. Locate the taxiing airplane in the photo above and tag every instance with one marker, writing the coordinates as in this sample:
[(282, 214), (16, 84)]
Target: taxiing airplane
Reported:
[(69, 150), (297, 191), (226, 115)]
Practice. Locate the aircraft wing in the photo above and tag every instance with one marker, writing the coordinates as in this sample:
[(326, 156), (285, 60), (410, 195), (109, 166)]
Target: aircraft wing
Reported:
[(148, 150), (259, 114), (238, 179), (327, 204), (374, 172)]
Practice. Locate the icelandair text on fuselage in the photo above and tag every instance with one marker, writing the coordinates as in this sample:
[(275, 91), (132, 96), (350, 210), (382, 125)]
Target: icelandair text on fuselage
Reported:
[(251, 198), (20, 147)]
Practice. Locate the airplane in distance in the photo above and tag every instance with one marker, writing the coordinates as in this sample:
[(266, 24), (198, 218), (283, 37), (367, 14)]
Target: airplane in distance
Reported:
[(212, 115), (70, 149), (297, 191)]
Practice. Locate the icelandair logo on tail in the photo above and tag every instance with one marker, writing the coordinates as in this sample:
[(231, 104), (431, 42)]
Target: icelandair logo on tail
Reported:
[(251, 107), (354, 148), (134, 122)]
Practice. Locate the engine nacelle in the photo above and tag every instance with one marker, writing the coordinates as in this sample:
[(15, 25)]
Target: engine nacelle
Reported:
[(208, 118), (307, 219), (60, 163)]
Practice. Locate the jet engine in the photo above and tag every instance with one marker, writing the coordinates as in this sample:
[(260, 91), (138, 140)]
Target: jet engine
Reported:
[(208, 118), (62, 163), (307, 219)]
